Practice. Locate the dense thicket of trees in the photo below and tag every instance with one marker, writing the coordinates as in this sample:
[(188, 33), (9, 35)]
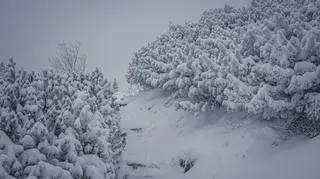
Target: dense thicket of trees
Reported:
[(58, 125), (263, 58)]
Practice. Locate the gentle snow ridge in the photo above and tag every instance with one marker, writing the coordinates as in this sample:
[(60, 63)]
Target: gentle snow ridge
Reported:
[(225, 145)]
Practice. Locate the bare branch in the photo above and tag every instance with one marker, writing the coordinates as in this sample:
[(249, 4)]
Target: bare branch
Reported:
[(69, 60)]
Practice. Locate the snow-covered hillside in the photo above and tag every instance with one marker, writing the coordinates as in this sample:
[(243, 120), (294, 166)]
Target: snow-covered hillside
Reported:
[(263, 59), (223, 145)]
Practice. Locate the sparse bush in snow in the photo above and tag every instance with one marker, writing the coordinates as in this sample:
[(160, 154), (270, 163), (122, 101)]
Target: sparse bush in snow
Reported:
[(133, 90), (58, 126), (263, 58), (186, 161)]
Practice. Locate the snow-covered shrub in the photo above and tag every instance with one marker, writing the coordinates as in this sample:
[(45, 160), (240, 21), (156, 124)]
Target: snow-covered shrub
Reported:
[(186, 161), (58, 126), (263, 58), (133, 90)]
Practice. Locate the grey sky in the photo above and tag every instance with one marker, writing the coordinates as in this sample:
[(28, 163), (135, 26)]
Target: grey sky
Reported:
[(109, 31)]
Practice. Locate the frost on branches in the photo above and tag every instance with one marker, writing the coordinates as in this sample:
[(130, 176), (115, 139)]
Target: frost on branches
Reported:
[(58, 126), (263, 58)]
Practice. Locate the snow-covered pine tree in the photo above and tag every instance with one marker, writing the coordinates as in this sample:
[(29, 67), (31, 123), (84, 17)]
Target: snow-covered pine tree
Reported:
[(115, 85), (263, 58), (58, 125)]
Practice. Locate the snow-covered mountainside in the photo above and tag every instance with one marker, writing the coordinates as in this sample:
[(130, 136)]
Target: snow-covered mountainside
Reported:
[(218, 144), (262, 60)]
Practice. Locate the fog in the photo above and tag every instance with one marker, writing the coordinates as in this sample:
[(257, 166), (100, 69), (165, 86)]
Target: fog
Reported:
[(109, 31)]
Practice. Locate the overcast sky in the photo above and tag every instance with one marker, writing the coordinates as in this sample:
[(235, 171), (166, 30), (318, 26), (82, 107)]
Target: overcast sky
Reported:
[(109, 31)]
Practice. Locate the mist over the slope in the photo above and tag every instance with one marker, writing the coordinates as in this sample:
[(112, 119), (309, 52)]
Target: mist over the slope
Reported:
[(109, 31)]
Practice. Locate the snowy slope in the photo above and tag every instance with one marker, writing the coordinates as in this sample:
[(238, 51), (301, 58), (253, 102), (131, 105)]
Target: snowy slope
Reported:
[(224, 145), (294, 163)]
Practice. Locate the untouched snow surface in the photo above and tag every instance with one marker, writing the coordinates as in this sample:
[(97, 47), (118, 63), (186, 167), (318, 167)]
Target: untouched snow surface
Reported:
[(223, 145)]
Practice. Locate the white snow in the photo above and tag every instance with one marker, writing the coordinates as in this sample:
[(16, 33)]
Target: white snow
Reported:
[(302, 67), (224, 145)]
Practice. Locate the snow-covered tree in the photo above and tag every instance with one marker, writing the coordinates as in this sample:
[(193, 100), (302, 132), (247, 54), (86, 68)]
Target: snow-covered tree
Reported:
[(69, 59), (115, 85), (263, 58), (58, 125)]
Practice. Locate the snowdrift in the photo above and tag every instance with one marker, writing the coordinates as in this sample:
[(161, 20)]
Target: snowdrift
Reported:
[(222, 145)]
